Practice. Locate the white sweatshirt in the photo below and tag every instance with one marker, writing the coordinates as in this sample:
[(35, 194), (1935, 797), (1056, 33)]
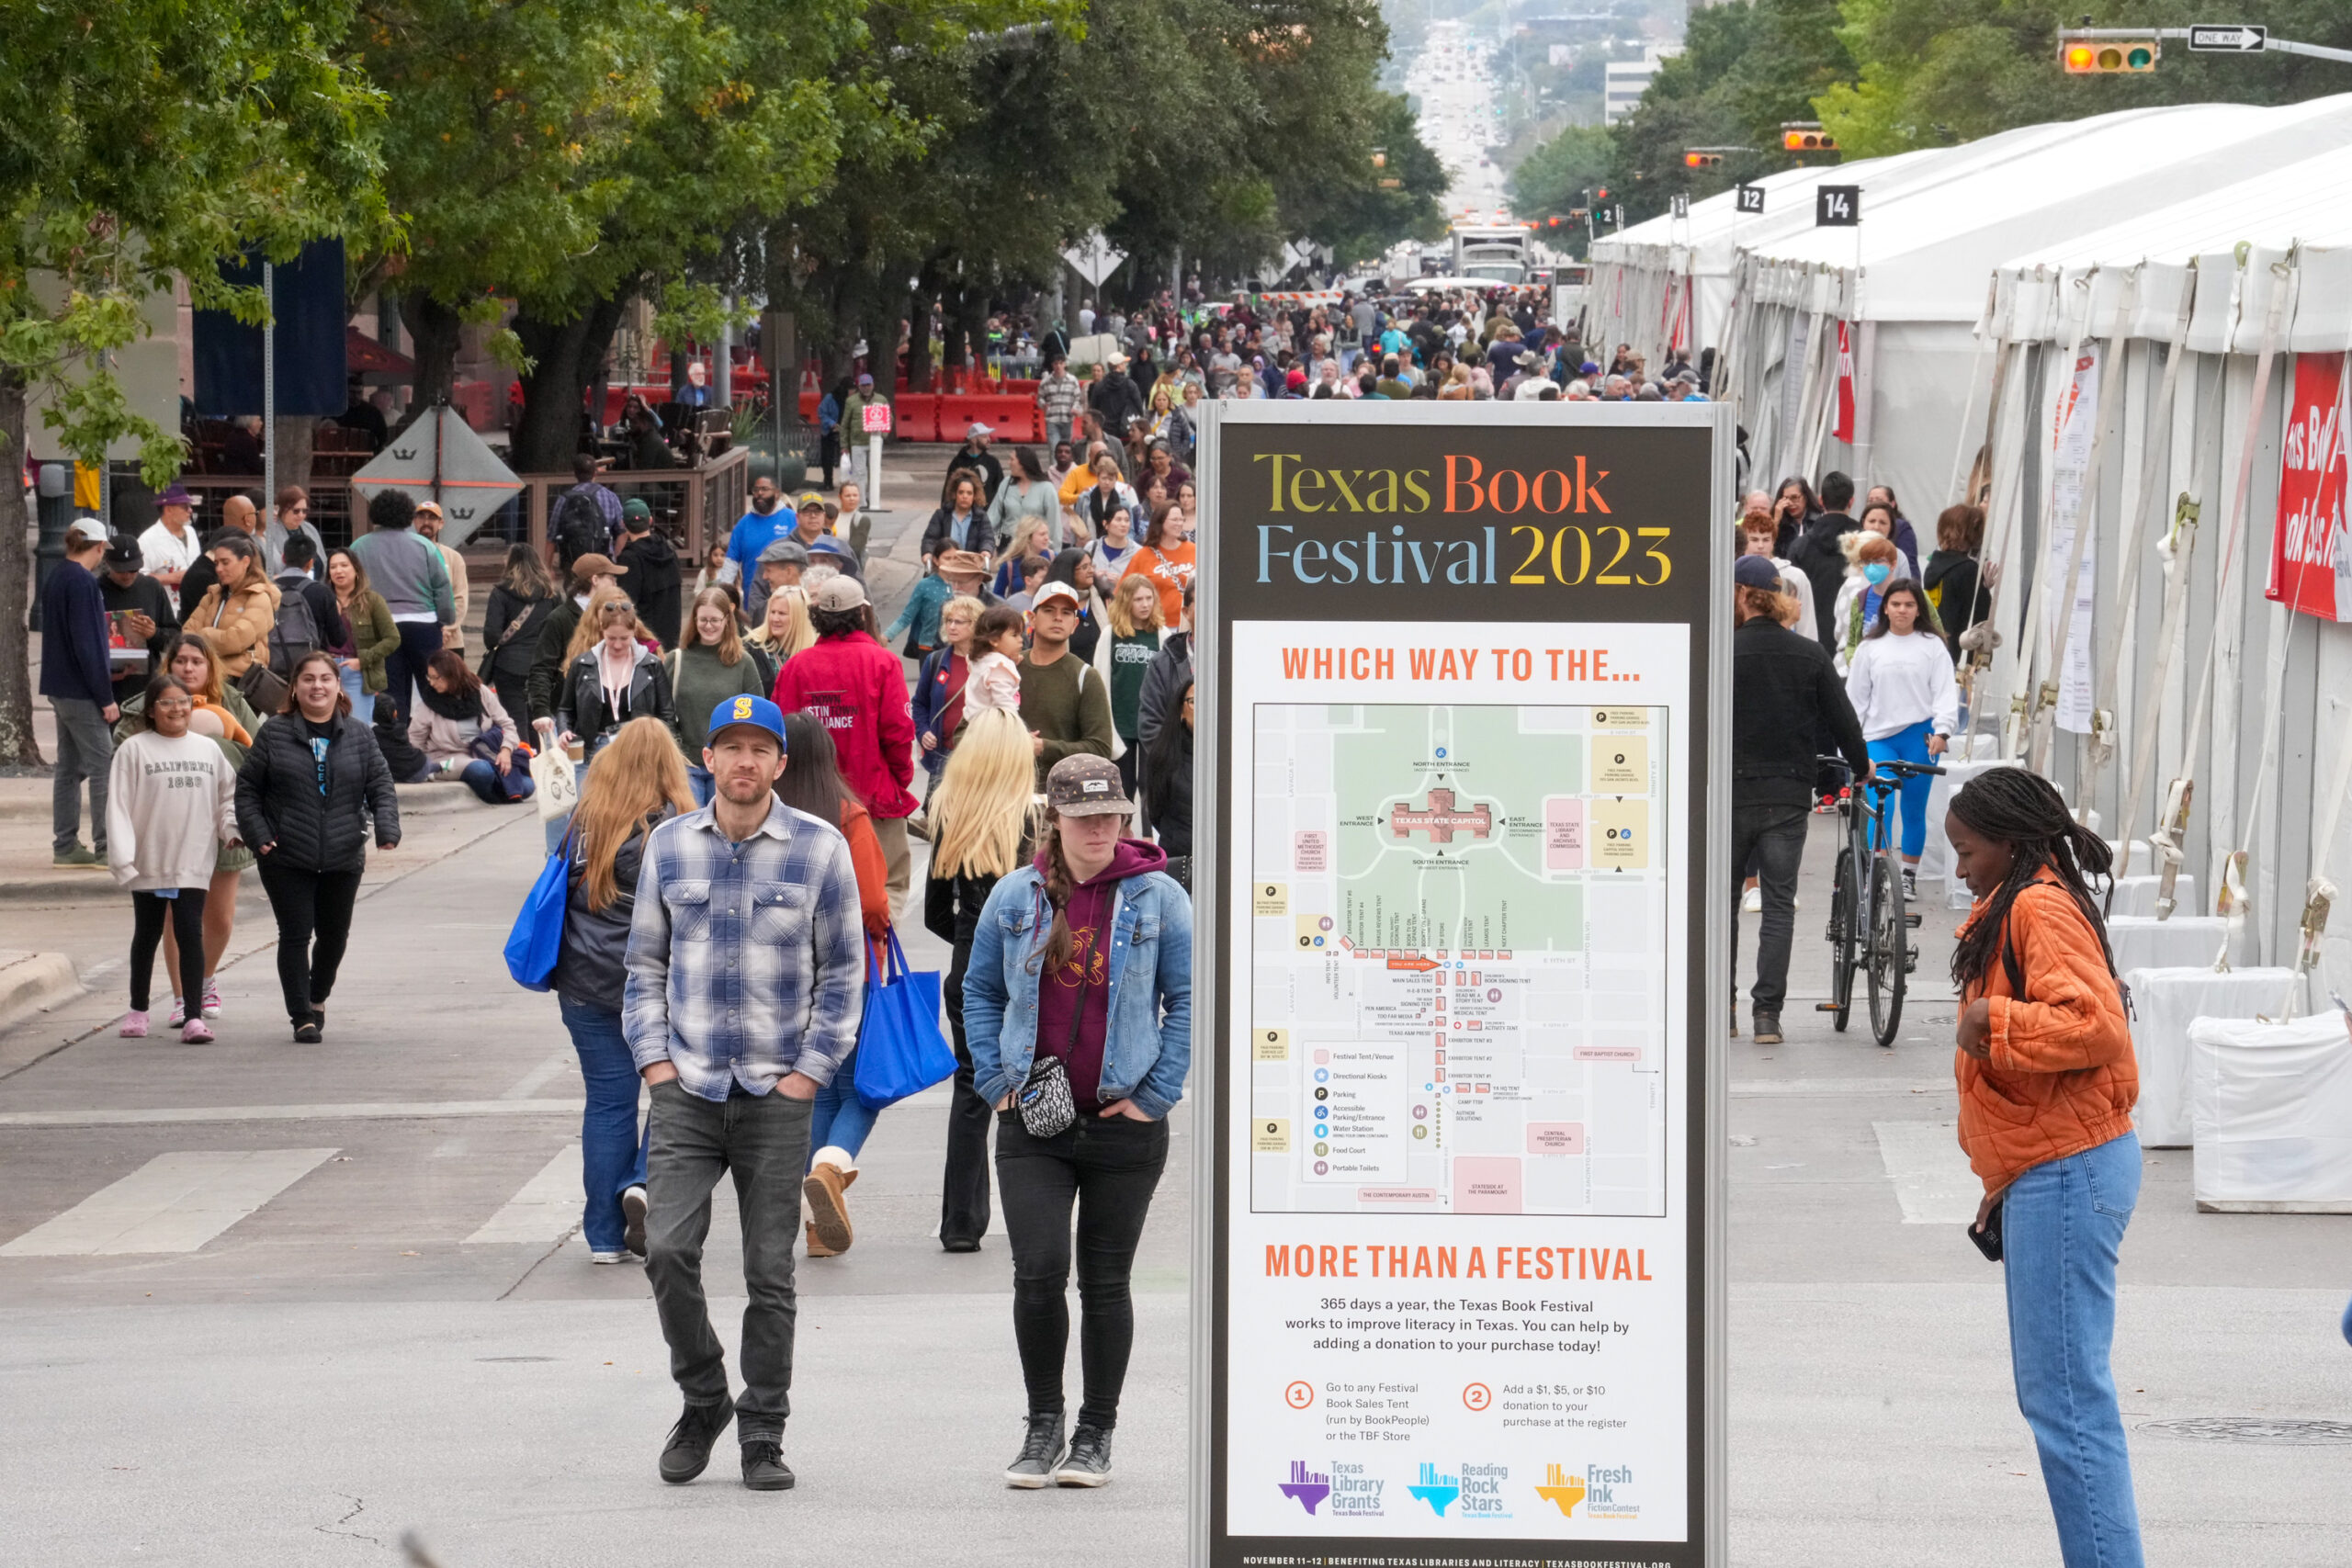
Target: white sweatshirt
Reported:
[(170, 806), (1898, 681)]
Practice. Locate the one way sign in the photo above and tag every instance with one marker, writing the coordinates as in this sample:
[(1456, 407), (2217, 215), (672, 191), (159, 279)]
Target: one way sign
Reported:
[(2228, 40)]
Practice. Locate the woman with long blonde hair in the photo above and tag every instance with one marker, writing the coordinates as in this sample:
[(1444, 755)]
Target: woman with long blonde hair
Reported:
[(982, 817), (786, 630), (638, 781)]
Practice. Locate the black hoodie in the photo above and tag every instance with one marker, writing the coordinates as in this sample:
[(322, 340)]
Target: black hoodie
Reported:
[(650, 576)]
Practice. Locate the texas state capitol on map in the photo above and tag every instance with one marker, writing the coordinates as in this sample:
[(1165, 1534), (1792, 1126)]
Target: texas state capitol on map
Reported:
[(1457, 974)]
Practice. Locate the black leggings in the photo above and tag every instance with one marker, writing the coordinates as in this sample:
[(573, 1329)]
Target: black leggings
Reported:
[(148, 912), (1108, 1169), (308, 902)]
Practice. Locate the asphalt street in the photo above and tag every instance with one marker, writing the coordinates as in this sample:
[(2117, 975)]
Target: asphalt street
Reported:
[(336, 1294)]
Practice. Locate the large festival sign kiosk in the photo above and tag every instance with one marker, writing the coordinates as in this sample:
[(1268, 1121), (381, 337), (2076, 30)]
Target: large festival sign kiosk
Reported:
[(1460, 966)]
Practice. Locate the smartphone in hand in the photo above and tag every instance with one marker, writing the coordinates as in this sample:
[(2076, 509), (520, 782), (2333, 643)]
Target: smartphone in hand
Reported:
[(1988, 1238)]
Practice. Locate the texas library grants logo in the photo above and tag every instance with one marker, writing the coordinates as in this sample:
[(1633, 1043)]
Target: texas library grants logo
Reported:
[(1475, 1492), (1599, 1489), (1350, 1493)]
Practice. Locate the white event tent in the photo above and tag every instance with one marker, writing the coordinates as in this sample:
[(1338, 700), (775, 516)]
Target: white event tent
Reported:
[(1910, 283)]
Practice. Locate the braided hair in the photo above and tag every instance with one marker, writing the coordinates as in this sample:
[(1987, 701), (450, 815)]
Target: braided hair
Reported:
[(1061, 940), (2026, 812)]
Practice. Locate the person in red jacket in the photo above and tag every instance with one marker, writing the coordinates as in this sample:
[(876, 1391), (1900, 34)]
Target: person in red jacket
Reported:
[(859, 689)]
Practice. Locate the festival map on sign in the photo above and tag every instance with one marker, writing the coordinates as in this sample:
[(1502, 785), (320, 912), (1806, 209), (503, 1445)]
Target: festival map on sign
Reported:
[(1458, 959)]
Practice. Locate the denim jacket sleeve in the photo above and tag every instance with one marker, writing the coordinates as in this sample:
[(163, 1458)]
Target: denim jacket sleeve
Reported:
[(1162, 1087), (985, 997)]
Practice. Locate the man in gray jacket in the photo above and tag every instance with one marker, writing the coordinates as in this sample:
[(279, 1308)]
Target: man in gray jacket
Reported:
[(409, 573)]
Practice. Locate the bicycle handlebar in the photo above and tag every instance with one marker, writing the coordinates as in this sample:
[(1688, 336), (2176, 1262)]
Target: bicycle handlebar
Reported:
[(1897, 769)]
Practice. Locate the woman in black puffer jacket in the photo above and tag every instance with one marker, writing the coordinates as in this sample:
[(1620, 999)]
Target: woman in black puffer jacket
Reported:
[(304, 797)]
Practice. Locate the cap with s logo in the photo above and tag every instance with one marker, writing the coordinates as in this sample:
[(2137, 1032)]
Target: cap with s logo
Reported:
[(756, 712)]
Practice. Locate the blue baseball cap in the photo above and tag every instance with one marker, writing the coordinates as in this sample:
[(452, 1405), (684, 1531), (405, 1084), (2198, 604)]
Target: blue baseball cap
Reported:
[(757, 712)]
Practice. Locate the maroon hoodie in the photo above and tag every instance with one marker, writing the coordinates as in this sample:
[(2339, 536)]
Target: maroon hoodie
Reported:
[(1061, 991)]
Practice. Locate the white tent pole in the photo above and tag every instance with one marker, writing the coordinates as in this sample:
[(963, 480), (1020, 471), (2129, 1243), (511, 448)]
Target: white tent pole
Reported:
[(2167, 836), (2025, 701)]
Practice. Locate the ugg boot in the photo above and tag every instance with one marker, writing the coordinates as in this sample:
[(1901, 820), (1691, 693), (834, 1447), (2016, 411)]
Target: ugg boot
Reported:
[(828, 1180)]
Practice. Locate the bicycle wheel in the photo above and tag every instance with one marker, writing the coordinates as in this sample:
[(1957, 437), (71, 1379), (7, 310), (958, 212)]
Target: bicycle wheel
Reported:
[(1887, 949), (1844, 931)]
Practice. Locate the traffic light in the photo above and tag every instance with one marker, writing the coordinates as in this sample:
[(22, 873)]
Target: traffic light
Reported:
[(1702, 160), (2101, 57), (1807, 138)]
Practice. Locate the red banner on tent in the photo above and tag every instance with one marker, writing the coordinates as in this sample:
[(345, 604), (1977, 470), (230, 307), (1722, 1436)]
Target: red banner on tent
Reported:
[(1844, 429), (2310, 560)]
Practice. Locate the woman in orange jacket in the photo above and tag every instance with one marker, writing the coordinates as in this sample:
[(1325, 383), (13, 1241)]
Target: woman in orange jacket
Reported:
[(2047, 1082)]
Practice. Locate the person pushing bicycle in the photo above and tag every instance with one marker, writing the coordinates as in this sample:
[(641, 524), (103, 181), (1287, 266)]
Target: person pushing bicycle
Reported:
[(1787, 706)]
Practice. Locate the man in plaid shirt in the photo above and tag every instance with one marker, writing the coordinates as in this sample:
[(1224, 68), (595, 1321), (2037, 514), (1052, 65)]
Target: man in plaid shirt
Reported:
[(746, 976), (1058, 396)]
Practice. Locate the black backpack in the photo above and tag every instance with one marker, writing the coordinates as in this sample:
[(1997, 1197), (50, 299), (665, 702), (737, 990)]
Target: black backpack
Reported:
[(577, 527), (296, 630)]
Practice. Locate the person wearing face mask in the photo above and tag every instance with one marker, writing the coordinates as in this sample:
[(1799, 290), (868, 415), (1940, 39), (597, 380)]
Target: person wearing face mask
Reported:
[(1872, 562), (1903, 690)]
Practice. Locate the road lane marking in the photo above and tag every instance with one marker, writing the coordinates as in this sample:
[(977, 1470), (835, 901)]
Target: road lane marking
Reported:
[(530, 1083), (543, 1209), (363, 1111), (1931, 1177), (175, 1203)]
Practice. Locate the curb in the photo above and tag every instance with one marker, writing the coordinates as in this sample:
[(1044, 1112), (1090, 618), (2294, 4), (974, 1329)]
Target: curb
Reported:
[(34, 982)]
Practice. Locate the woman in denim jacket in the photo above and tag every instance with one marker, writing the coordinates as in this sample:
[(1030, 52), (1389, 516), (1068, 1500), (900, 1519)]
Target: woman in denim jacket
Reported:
[(1080, 975)]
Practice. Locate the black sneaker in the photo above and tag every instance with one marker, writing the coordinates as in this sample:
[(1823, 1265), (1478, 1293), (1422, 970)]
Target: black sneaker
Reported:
[(633, 1219), (1041, 1450), (306, 1032), (1767, 1028), (688, 1453), (1089, 1464), (764, 1466)]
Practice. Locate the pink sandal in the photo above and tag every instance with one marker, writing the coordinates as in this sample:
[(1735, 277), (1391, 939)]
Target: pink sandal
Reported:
[(134, 1024), (194, 1033)]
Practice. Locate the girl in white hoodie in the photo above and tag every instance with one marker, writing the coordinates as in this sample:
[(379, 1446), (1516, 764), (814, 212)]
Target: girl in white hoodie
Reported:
[(171, 803), (1904, 693)]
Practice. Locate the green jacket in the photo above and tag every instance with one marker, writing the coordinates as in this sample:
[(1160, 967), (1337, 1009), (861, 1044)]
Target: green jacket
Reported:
[(698, 684), (374, 636)]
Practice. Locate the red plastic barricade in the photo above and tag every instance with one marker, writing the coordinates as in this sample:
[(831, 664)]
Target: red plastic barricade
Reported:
[(809, 401), (917, 415), (1012, 418)]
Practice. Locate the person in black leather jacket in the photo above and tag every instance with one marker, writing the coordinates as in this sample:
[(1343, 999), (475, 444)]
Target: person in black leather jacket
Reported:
[(305, 796), (639, 780), (1788, 708)]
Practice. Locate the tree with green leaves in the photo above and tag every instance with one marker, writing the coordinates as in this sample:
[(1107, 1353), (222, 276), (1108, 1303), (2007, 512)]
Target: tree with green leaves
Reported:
[(144, 142)]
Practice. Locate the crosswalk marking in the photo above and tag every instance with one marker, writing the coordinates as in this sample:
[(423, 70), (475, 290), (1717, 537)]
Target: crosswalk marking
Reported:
[(357, 1111), (175, 1203), (1930, 1174), (544, 1208)]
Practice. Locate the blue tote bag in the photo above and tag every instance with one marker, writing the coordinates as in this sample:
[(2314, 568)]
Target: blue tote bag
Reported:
[(538, 937), (901, 1049)]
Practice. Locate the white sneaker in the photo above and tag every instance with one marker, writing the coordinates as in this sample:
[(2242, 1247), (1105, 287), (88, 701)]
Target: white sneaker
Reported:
[(1752, 901), (608, 1257), (211, 999)]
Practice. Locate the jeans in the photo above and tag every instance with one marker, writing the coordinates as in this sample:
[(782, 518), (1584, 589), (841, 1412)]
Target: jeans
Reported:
[(363, 701), (1108, 1169), (2061, 1225), (404, 666), (1909, 746), (481, 776), (308, 902), (148, 912), (1772, 838), (84, 750), (612, 1155), (764, 1139), (838, 1119), (1056, 432), (963, 1185)]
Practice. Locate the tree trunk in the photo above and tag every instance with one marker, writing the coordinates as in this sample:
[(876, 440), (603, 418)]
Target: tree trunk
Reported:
[(291, 440), (436, 329), (568, 355), (18, 746)]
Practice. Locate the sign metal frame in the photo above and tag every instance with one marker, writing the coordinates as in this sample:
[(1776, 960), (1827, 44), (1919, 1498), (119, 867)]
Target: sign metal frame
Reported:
[(1702, 1136)]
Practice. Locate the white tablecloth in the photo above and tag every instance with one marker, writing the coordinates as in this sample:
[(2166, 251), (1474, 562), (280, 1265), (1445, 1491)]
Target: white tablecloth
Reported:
[(2272, 1107), (1935, 854), (2137, 894), (2165, 1002), (2143, 942)]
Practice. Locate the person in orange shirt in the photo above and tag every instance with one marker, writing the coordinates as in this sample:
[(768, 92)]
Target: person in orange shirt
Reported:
[(2047, 1082), (1165, 557)]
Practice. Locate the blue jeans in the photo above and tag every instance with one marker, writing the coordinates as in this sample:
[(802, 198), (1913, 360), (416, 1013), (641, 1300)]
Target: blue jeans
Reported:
[(363, 701), (2062, 1224), (1909, 746), (842, 1120), (612, 1152)]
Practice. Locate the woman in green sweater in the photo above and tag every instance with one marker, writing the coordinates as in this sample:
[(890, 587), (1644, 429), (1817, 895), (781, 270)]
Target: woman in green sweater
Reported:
[(710, 666), (1130, 642), (373, 636)]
